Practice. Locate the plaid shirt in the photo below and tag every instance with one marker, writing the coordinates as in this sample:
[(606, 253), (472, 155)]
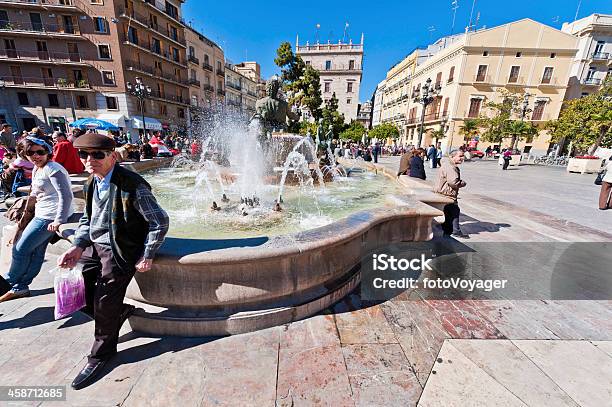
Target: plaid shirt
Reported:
[(158, 220)]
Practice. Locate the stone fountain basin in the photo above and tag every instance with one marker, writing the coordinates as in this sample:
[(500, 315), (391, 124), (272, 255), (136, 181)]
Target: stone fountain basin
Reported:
[(221, 287)]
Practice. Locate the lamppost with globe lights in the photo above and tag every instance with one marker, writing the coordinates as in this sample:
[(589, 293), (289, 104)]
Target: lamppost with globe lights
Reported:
[(140, 91), (427, 97)]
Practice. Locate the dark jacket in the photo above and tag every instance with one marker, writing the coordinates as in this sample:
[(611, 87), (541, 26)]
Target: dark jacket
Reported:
[(128, 229), (417, 169)]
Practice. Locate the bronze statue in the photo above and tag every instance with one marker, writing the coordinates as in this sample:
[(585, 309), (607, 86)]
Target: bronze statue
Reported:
[(272, 111)]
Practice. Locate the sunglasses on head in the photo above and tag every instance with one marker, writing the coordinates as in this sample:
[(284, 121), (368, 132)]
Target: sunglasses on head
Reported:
[(30, 153), (96, 155)]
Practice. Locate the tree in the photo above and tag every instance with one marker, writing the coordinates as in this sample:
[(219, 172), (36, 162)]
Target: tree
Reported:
[(586, 122), (384, 131), (354, 132), (520, 130), (498, 116), (470, 129), (301, 82), (332, 117)]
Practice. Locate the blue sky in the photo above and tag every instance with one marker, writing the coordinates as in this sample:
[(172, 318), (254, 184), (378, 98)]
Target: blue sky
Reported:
[(391, 31)]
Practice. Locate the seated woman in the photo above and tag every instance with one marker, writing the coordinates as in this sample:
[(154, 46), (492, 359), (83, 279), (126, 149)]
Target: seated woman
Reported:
[(52, 190), (22, 170), (417, 168)]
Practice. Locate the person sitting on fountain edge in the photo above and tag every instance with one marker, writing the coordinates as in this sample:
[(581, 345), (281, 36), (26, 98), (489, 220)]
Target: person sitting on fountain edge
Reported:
[(121, 230)]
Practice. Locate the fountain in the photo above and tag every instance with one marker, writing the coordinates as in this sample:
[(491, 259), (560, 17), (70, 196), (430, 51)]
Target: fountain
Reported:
[(267, 228)]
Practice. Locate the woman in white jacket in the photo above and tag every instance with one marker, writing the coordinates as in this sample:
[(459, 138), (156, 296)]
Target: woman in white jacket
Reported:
[(605, 201)]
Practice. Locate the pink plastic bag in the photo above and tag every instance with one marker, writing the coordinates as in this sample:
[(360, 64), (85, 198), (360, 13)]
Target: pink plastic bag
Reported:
[(69, 291)]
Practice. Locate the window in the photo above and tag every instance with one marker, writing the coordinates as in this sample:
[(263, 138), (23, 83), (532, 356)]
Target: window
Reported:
[(171, 10), (104, 51), (53, 100), (327, 65), (156, 46), (547, 77), (538, 110), (485, 53), (307, 62), (41, 48), (175, 55), (445, 110), (163, 110), (108, 77), (23, 98), (451, 75), (4, 20), (514, 73), (132, 35), (552, 55), (519, 54), (173, 33), (438, 83), (351, 64), (599, 47), (181, 113), (191, 52), (348, 101), (100, 25), (326, 85), (82, 102), (111, 103), (36, 21), (482, 73), (474, 107), (349, 87)]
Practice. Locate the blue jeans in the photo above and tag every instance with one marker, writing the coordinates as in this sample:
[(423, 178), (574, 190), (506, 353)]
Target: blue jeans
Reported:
[(29, 254)]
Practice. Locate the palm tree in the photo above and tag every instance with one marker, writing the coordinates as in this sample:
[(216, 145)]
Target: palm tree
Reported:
[(470, 129), (519, 129)]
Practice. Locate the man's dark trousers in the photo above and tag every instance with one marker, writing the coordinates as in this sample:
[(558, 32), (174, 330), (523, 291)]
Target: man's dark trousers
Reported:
[(451, 219), (105, 285), (506, 163)]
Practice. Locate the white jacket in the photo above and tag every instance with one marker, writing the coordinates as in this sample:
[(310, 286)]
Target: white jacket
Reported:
[(608, 176)]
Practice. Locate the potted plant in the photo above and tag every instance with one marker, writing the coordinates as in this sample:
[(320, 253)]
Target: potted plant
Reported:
[(82, 83), (588, 164)]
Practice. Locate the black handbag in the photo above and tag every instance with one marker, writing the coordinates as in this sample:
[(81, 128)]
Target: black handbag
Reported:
[(599, 179)]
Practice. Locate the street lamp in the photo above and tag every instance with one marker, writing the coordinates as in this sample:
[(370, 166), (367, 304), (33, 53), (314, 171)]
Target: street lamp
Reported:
[(427, 97), (525, 106), (141, 92)]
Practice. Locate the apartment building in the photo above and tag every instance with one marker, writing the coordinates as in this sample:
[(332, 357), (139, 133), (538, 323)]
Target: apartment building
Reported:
[(62, 60), (340, 67), (377, 104), (207, 83), (242, 82), (593, 62), (522, 57), (364, 114)]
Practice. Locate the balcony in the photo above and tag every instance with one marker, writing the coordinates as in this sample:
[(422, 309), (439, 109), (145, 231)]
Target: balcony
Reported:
[(600, 56), (515, 80), (45, 57), (208, 67), (208, 88), (193, 59), (338, 68), (48, 5), (194, 82), (233, 85), (41, 82), (152, 49), (171, 15), (547, 82), (28, 28), (220, 92), (482, 79), (251, 93), (591, 82), (221, 72), (177, 99), (145, 22), (153, 72)]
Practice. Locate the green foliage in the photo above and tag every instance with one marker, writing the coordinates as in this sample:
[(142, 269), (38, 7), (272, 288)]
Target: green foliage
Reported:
[(520, 130), (354, 132), (495, 123), (586, 122), (384, 131), (470, 129), (306, 127), (332, 117), (300, 81)]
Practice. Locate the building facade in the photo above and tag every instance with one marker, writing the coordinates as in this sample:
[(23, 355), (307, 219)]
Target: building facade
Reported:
[(364, 114), (377, 104), (241, 87), (340, 67), (207, 84), (523, 57), (593, 62), (62, 60)]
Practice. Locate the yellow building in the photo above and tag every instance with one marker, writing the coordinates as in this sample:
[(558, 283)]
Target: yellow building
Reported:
[(522, 57)]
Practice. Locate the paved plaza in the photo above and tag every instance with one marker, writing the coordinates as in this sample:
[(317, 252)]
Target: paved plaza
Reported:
[(401, 352)]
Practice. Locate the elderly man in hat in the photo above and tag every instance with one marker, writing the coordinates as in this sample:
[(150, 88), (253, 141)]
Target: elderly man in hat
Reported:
[(121, 229)]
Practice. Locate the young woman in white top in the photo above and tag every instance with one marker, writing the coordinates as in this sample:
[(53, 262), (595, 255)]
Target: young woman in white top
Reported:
[(52, 189)]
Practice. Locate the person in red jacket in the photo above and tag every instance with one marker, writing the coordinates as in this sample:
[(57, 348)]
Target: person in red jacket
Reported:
[(65, 154)]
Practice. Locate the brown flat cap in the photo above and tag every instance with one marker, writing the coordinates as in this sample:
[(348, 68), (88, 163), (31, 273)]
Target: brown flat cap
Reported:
[(94, 141)]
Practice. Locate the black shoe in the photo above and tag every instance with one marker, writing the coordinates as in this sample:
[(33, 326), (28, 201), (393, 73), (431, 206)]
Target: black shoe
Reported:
[(461, 235), (128, 310), (88, 374)]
